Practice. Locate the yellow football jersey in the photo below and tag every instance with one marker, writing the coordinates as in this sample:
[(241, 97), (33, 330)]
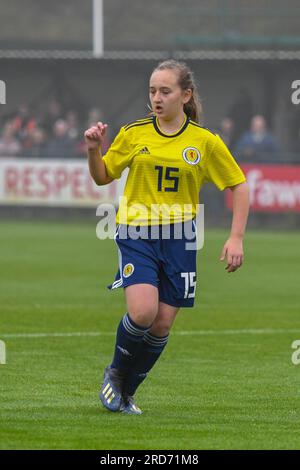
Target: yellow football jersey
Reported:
[(167, 171)]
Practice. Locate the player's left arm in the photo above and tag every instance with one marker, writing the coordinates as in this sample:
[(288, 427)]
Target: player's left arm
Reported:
[(233, 249)]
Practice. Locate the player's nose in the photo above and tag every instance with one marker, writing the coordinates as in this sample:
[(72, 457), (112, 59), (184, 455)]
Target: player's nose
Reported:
[(157, 99)]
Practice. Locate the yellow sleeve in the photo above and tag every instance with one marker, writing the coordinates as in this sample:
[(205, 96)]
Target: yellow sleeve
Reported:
[(119, 155), (221, 168)]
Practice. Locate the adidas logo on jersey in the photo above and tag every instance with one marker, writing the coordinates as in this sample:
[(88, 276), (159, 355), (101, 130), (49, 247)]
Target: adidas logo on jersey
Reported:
[(145, 151)]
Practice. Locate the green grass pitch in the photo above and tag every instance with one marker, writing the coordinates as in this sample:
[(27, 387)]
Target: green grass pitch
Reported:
[(225, 381)]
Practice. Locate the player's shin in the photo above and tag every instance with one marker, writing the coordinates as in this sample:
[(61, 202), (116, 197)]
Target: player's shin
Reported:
[(149, 352), (128, 340)]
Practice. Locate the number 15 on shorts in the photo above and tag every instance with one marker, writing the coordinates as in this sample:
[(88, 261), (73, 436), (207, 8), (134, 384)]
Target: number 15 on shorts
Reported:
[(190, 285)]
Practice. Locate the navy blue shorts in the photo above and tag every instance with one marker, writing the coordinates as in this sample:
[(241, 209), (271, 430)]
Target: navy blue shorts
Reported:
[(164, 263)]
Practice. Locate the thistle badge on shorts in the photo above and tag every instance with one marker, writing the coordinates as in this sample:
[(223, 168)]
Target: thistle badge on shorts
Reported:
[(128, 270), (191, 155)]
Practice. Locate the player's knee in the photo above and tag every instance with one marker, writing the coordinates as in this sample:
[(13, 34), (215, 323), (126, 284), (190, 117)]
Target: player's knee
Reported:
[(161, 327), (142, 304), (143, 315)]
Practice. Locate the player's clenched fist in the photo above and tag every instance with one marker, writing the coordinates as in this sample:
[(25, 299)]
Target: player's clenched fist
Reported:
[(94, 135)]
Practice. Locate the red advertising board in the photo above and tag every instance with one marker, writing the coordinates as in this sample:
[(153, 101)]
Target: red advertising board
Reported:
[(51, 182), (272, 188)]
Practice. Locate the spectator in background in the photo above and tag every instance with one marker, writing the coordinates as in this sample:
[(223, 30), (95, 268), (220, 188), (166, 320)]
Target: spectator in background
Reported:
[(226, 131), (240, 112), (47, 134), (258, 141), (9, 145), (73, 125), (60, 146), (54, 113), (94, 115), (23, 124), (38, 144), (75, 134)]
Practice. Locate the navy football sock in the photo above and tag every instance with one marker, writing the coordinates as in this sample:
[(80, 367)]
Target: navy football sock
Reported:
[(129, 337), (148, 353)]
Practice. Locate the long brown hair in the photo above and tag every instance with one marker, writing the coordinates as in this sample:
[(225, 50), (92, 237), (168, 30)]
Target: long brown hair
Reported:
[(193, 108)]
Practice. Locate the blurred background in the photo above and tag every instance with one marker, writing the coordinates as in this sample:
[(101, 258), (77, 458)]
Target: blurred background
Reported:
[(66, 65)]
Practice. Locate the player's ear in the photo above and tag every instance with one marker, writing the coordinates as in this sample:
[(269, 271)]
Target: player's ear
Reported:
[(187, 94)]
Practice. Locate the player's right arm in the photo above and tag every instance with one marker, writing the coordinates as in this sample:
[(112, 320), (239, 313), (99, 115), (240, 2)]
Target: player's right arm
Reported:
[(94, 137)]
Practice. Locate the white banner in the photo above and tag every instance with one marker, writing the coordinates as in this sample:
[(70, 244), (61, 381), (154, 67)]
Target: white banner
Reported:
[(52, 183)]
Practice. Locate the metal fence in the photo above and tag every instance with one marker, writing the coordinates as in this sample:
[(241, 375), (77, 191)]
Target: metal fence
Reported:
[(157, 25)]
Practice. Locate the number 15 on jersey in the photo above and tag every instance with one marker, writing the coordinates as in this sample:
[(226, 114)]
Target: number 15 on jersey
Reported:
[(190, 285)]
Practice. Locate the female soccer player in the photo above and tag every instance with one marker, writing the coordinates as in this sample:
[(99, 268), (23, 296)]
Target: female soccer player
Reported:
[(169, 156)]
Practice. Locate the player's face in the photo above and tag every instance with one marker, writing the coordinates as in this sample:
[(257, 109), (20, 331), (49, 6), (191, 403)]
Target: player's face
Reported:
[(166, 96)]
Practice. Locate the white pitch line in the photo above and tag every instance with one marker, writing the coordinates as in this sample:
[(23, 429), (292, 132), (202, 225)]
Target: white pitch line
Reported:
[(249, 331), (55, 335)]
